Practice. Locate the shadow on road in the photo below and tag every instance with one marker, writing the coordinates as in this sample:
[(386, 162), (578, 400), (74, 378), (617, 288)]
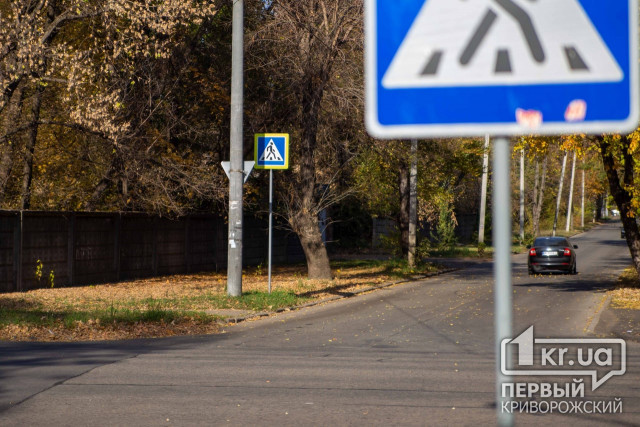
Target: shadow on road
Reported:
[(25, 367), (566, 283)]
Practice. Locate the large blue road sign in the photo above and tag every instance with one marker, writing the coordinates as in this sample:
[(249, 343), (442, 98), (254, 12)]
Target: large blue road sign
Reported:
[(505, 67)]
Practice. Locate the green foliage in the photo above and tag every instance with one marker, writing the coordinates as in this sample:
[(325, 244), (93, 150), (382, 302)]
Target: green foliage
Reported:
[(259, 271), (38, 272), (258, 301), (391, 244), (156, 313), (52, 278), (424, 249), (445, 235), (528, 239), (482, 247)]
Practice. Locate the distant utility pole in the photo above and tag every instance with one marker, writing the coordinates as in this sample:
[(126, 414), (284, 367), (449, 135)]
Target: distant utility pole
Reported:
[(413, 203), (564, 167), (522, 195), (236, 178), (483, 194), (582, 210), (570, 207)]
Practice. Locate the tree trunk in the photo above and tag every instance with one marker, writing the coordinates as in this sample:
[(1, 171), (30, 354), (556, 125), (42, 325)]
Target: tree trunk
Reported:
[(570, 204), (623, 197), (8, 144), (305, 219), (597, 214), (403, 213), (315, 252), (538, 197), (564, 167), (27, 170)]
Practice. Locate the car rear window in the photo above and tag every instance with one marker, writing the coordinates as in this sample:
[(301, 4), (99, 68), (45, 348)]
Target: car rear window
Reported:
[(551, 241)]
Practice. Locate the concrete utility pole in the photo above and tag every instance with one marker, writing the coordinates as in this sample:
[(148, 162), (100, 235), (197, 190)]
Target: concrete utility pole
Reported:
[(564, 167), (570, 206), (582, 210), (522, 195), (483, 194), (413, 204), (234, 260)]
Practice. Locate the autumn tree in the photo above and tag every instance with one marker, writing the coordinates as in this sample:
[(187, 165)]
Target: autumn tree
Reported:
[(90, 55), (619, 154), (447, 171), (308, 55)]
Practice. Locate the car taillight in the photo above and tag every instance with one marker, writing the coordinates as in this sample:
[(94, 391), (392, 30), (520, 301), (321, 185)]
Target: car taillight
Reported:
[(567, 252), (532, 252)]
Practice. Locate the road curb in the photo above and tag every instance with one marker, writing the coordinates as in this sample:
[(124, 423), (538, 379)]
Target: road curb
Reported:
[(595, 319), (416, 278)]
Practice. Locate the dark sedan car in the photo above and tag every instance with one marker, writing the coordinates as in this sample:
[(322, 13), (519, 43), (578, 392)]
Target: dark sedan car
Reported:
[(552, 255)]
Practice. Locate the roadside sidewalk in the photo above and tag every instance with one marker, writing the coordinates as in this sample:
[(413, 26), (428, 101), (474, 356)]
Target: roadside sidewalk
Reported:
[(620, 323)]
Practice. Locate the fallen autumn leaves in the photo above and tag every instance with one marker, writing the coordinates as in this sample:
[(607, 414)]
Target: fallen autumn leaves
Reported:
[(176, 305)]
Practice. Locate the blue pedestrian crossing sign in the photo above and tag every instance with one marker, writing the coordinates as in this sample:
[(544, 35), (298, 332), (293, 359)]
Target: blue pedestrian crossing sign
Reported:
[(272, 151), (504, 67)]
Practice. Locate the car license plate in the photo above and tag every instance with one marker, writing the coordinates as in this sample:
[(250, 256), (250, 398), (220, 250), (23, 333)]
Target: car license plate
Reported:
[(549, 253)]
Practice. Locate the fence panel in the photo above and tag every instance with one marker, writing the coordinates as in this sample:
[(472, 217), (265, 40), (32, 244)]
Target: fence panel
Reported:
[(8, 251), (87, 247), (44, 243), (170, 246), (94, 254)]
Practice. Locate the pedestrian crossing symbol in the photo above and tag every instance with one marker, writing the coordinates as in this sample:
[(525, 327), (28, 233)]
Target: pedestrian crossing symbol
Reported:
[(465, 67), (272, 151), (558, 44)]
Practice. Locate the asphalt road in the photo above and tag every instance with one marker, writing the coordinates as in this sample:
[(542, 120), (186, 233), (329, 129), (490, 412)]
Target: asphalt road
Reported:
[(415, 354)]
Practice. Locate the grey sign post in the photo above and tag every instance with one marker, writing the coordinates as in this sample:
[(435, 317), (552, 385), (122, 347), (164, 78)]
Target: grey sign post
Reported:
[(271, 152), (501, 228)]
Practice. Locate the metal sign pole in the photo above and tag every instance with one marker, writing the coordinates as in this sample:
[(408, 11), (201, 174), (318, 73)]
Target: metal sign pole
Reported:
[(270, 222), (271, 152), (502, 262)]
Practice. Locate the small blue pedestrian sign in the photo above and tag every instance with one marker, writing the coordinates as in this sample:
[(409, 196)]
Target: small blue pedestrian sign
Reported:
[(505, 67), (272, 151)]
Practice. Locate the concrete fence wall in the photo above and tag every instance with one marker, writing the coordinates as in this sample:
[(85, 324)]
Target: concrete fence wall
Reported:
[(82, 248)]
